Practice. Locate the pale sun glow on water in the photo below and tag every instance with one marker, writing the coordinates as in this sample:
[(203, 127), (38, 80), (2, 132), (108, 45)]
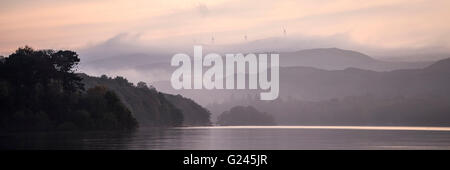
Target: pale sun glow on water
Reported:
[(413, 128)]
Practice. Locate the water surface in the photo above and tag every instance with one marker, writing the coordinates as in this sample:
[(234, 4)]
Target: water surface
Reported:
[(238, 137)]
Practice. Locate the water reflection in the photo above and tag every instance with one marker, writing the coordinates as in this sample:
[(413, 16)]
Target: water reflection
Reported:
[(66, 140), (232, 138)]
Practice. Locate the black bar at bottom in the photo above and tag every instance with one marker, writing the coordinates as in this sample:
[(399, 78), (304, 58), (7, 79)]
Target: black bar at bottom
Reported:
[(223, 159)]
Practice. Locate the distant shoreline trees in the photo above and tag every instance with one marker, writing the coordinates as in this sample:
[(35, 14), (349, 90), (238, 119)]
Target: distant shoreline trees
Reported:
[(150, 107), (244, 115)]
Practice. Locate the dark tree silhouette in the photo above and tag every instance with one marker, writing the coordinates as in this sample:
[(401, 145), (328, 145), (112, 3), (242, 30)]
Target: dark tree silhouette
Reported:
[(39, 90)]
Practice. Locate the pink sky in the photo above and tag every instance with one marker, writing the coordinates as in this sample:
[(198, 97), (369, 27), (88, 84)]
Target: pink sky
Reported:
[(74, 24)]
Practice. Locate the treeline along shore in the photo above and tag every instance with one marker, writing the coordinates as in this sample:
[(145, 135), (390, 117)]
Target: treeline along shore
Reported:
[(41, 91)]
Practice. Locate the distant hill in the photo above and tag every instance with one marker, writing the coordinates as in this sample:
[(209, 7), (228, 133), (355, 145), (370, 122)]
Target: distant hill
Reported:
[(338, 59), (139, 63), (241, 115), (311, 96), (302, 69), (441, 66), (315, 84), (150, 107), (306, 66)]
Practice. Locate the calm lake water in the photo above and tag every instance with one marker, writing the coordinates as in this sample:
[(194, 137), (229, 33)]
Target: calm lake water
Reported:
[(238, 137)]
